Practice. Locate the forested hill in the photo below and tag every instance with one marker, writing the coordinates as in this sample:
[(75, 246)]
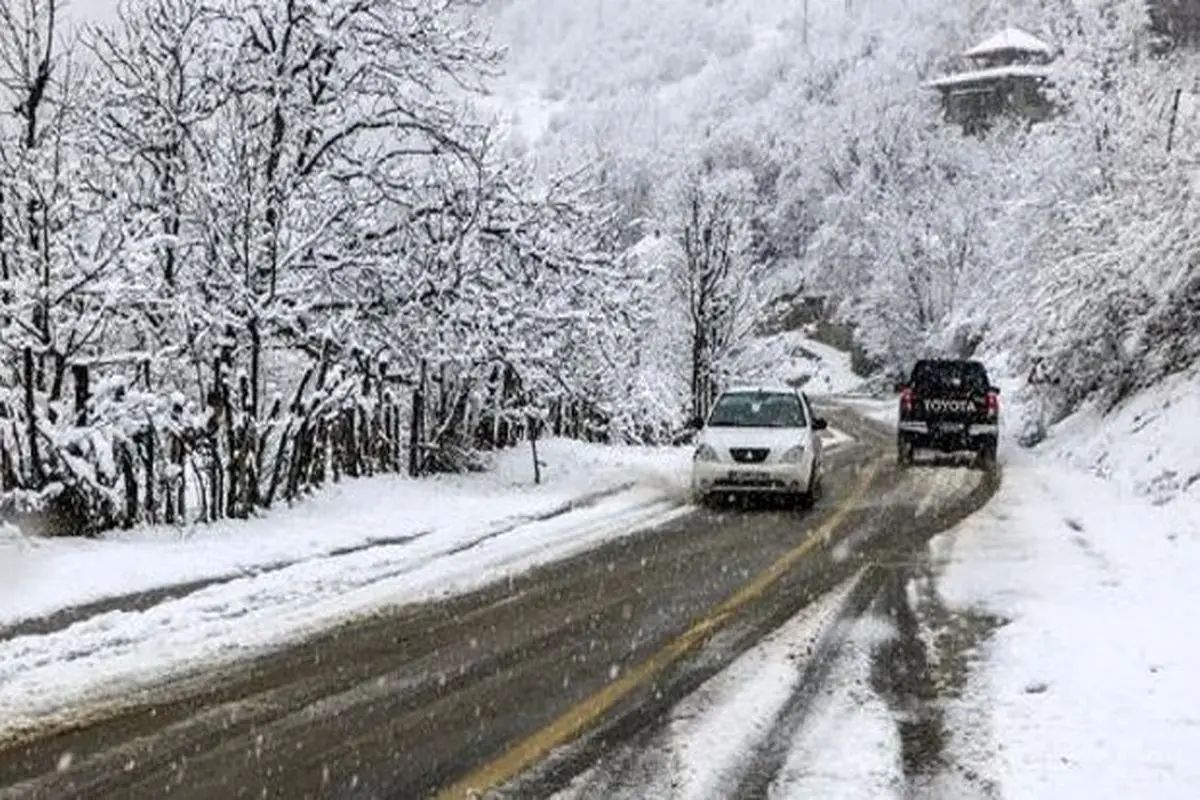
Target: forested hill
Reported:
[(250, 246), (1073, 241)]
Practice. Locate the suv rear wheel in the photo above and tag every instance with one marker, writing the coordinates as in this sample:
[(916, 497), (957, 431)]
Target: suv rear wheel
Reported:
[(904, 452), (987, 454)]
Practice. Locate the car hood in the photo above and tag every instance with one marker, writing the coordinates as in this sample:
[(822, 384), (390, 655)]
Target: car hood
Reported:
[(723, 438)]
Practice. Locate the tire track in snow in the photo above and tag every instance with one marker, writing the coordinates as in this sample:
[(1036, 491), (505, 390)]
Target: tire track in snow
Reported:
[(696, 749), (760, 771), (658, 760)]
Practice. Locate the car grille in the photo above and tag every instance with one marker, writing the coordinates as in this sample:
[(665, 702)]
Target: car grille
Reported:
[(749, 455)]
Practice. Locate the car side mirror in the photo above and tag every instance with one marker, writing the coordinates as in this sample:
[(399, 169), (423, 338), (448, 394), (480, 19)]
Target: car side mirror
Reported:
[(994, 389), (696, 423), (819, 424)]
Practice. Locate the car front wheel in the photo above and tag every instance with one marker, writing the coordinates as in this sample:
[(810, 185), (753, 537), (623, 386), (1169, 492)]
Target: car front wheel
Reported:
[(806, 499)]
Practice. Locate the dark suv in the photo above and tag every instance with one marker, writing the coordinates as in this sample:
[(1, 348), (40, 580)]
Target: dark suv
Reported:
[(948, 406)]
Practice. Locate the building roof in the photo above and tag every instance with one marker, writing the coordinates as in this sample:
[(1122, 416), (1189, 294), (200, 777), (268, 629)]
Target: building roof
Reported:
[(965, 79), (1009, 40)]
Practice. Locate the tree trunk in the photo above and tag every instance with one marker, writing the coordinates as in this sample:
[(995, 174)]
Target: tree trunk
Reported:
[(417, 425), (150, 456), (81, 379), (31, 427), (415, 434)]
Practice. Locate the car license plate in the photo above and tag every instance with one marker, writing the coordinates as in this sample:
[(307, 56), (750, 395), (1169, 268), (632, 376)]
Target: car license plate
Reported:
[(951, 427), (748, 477)]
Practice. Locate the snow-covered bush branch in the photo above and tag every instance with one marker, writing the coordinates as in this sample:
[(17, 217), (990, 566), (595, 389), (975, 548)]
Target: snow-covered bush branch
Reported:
[(238, 237)]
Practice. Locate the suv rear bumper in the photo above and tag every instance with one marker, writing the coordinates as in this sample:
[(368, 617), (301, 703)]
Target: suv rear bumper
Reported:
[(948, 436)]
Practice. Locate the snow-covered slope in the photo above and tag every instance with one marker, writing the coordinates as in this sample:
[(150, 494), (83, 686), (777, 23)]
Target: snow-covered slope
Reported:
[(635, 80), (1150, 443), (796, 359), (1067, 242)]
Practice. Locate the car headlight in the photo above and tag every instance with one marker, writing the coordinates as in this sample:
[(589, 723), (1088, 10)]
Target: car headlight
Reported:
[(705, 453), (793, 456)]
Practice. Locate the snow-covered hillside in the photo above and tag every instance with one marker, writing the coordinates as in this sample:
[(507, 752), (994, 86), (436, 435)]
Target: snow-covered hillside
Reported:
[(1067, 242)]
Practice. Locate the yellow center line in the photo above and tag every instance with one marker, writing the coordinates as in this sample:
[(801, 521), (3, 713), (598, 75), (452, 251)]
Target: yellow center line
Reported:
[(588, 711)]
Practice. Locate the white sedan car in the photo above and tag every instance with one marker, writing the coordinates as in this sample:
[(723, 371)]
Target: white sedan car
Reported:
[(759, 440)]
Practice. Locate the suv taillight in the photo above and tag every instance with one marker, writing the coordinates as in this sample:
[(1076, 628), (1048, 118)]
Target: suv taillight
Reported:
[(993, 404), (908, 399)]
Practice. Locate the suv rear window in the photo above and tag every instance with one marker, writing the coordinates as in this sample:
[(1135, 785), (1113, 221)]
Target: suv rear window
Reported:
[(757, 410), (950, 376)]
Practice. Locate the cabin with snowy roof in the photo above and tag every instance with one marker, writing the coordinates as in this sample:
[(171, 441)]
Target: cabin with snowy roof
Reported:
[(1008, 74)]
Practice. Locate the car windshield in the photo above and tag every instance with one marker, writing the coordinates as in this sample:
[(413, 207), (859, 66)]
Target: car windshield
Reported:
[(950, 376), (757, 410)]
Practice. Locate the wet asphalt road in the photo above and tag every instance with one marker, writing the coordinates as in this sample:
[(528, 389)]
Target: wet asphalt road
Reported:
[(417, 699)]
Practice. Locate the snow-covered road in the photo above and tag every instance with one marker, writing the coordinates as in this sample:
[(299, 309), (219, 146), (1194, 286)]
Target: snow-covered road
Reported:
[(708, 745), (1045, 647), (53, 673), (228, 594), (85, 620)]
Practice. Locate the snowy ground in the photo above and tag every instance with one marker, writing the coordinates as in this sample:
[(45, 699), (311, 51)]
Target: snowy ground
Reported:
[(358, 547), (1090, 688), (794, 359), (1054, 634), (38, 577)]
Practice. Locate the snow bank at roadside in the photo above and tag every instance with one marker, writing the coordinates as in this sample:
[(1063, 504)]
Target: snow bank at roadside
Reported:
[(1089, 688), (1151, 442), (108, 656), (39, 577)]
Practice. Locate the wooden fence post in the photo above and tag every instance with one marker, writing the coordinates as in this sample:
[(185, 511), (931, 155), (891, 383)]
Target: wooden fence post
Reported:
[(534, 427), (125, 462)]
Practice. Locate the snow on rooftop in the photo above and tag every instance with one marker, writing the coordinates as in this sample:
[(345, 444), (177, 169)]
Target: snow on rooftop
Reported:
[(990, 74), (1010, 39)]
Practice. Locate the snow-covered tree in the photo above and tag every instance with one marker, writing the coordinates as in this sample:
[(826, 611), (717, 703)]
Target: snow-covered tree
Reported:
[(716, 274)]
